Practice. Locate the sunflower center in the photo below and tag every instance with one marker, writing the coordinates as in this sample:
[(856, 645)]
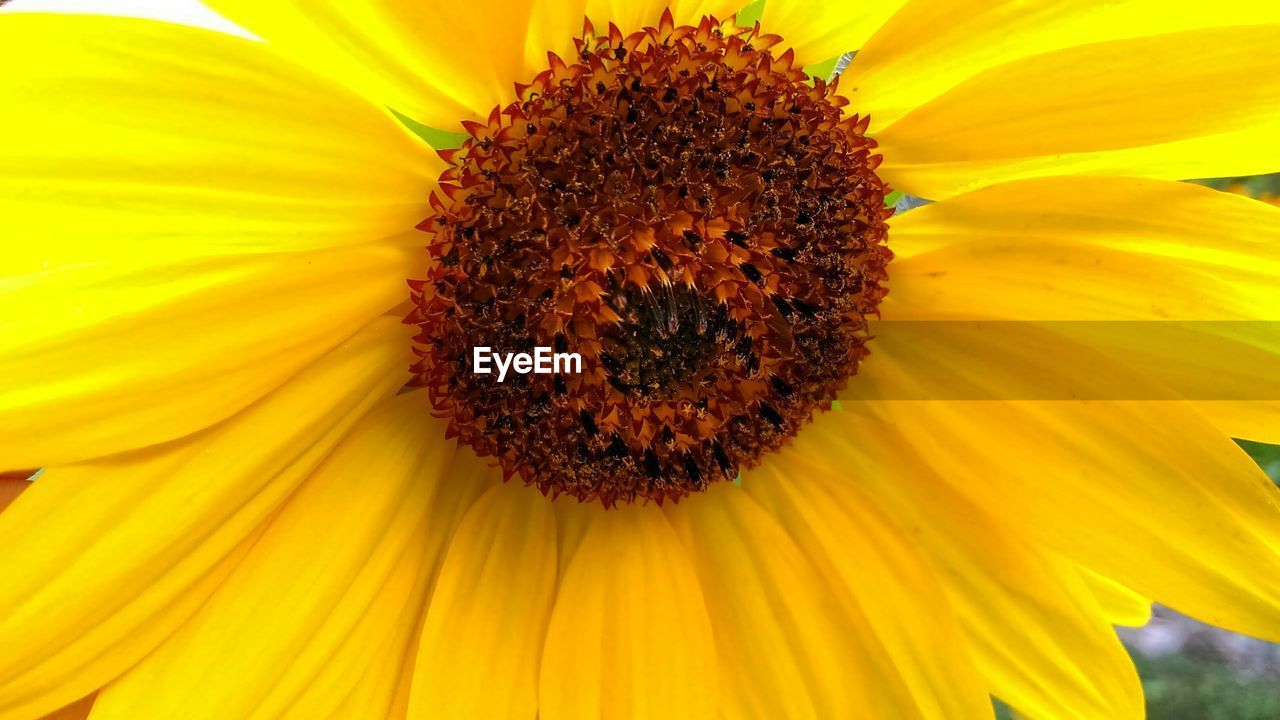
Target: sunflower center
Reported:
[(689, 214)]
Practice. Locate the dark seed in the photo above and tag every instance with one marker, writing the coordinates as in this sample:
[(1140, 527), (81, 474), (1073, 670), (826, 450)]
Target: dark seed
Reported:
[(691, 467), (768, 413), (662, 259), (721, 459), (610, 363), (805, 308), (781, 386), (651, 465)]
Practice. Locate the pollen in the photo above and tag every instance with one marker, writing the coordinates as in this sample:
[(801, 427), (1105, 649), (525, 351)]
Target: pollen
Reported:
[(695, 217)]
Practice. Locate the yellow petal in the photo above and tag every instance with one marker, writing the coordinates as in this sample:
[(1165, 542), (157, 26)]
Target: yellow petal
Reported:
[(1248, 420), (1072, 280), (1109, 211), (553, 25), (1119, 487), (821, 31), (385, 674), (1042, 643), (1196, 157), (104, 560), (1068, 110), (930, 47), (183, 13), (107, 357), (140, 140), (1192, 272), (857, 548), (442, 63), (78, 710), (780, 633), (572, 521), (1029, 622), (692, 11), (282, 624), (1070, 473), (976, 361), (1119, 604), (629, 636), (1210, 234), (484, 631), (959, 359), (439, 63), (628, 15), (195, 243), (366, 667), (781, 627), (467, 64)]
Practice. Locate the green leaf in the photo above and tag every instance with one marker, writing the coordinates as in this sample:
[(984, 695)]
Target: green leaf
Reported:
[(1267, 456), (751, 14), (436, 138), (823, 69)]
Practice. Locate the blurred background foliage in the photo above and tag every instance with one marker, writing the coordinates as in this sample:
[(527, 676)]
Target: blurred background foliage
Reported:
[(1262, 187), (1199, 683)]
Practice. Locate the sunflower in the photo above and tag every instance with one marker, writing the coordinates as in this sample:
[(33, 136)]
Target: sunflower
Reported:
[(822, 460)]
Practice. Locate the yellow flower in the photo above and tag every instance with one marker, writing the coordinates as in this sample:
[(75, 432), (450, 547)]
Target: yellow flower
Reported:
[(205, 246)]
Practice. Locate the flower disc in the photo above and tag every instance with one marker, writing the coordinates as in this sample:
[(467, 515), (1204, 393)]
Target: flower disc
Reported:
[(688, 213)]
